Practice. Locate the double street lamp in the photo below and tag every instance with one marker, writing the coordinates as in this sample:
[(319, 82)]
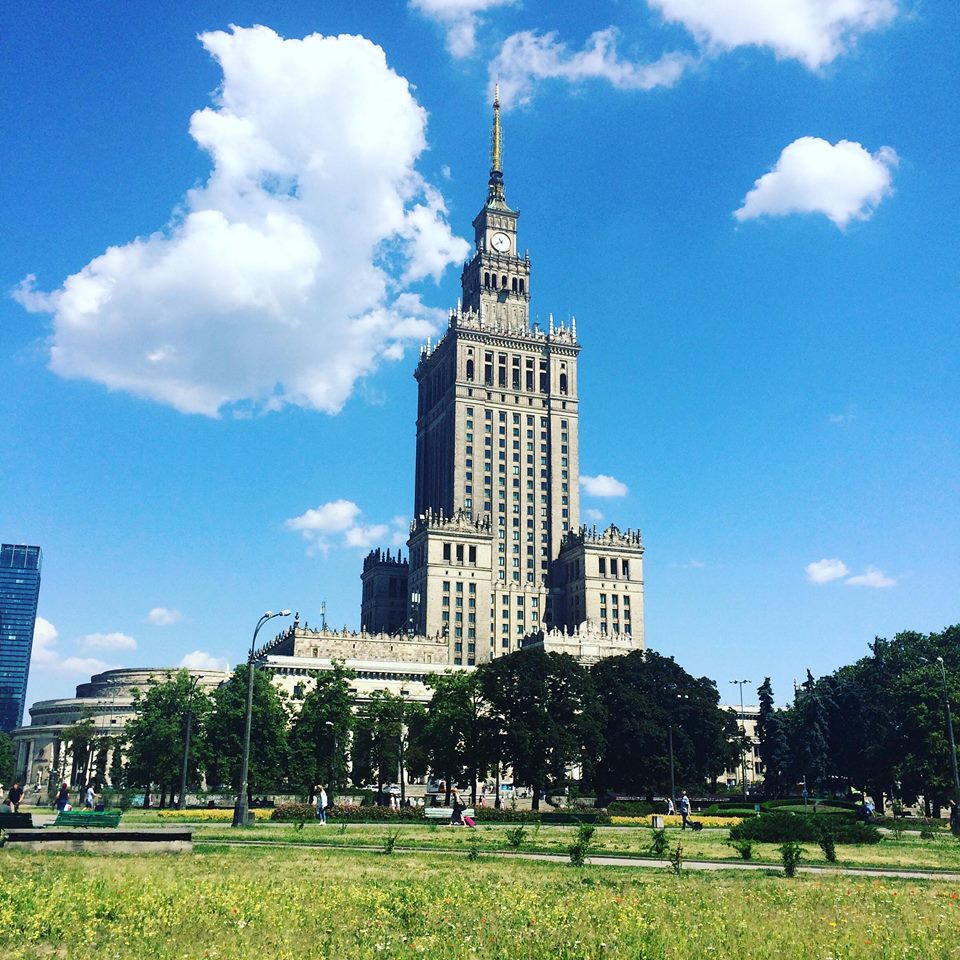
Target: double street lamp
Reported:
[(743, 730), (182, 799), (240, 809)]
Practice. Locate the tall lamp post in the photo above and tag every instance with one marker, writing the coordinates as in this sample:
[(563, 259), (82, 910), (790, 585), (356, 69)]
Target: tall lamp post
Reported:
[(182, 799), (240, 807), (743, 732), (332, 785), (946, 707), (673, 785)]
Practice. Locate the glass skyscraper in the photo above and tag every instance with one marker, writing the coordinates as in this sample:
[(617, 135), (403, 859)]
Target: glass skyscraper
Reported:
[(19, 592)]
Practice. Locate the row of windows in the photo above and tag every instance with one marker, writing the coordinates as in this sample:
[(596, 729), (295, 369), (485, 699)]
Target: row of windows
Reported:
[(616, 567), (490, 282), (526, 375)]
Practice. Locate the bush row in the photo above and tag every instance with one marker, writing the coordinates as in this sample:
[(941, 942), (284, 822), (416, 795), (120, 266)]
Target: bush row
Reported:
[(786, 827), (352, 813)]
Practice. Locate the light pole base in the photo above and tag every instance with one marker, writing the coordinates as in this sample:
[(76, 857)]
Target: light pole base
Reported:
[(241, 815)]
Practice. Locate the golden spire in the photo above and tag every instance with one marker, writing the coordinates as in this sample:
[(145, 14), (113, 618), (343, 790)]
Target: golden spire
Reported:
[(496, 154)]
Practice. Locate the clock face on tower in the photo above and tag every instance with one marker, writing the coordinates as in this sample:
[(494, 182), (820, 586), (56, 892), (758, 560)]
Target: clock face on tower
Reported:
[(500, 242)]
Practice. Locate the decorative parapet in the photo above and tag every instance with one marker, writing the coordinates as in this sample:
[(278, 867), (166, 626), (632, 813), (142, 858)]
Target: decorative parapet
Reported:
[(586, 642), (558, 332), (378, 558), (613, 536), (459, 522), (302, 641)]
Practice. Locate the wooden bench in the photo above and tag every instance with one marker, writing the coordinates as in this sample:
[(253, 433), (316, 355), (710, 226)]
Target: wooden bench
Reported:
[(15, 821), (81, 818), (443, 813)]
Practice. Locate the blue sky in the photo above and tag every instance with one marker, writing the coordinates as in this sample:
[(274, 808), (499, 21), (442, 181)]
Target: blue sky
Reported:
[(238, 239)]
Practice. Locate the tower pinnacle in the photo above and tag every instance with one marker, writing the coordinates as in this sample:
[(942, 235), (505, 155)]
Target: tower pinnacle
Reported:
[(495, 191)]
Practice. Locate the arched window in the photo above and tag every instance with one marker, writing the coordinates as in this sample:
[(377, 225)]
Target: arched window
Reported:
[(521, 284), (503, 281), (486, 279), (563, 383), (513, 284), (470, 370)]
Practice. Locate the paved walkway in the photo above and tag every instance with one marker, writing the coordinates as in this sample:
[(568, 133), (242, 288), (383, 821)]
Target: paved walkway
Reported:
[(609, 861)]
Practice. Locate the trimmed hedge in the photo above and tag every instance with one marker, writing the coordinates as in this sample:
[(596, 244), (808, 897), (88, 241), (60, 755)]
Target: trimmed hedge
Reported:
[(787, 827), (635, 808), (353, 813)]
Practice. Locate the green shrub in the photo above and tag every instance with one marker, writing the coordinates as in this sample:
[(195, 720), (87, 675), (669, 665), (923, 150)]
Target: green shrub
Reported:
[(829, 847), (659, 843), (743, 847), (635, 808), (294, 812), (676, 860), (515, 837), (493, 815), (786, 827), (583, 840), (792, 853)]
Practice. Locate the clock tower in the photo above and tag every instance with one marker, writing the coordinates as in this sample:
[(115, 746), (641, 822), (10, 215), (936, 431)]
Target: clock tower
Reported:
[(496, 282)]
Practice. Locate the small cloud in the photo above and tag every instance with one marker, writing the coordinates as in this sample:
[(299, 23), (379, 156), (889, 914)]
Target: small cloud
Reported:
[(823, 571), (108, 641), (200, 660), (446, 172), (46, 658), (592, 513), (871, 577), (603, 486), (460, 18), (366, 537), (333, 517), (343, 518), (163, 616), (693, 565), (528, 57), (839, 418), (843, 181)]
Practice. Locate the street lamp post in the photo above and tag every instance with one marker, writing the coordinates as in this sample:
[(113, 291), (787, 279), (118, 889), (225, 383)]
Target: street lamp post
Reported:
[(949, 715), (743, 732), (403, 704), (240, 811), (182, 799), (673, 785), (332, 784)]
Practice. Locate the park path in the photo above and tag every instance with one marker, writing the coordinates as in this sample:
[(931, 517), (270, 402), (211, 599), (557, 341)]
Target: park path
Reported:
[(611, 861)]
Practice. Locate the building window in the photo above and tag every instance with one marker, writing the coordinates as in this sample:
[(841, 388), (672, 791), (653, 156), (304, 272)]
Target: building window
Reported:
[(446, 551)]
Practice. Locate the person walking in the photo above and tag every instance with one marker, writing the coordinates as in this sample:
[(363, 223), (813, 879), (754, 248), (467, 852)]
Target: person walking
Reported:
[(456, 813), (320, 795), (62, 800), (14, 797), (954, 818), (684, 809), (88, 796), (671, 809)]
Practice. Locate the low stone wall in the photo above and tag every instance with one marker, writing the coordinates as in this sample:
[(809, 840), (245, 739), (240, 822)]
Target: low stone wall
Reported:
[(100, 840)]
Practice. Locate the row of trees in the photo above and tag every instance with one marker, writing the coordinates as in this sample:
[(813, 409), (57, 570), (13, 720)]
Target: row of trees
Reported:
[(537, 713), (878, 724)]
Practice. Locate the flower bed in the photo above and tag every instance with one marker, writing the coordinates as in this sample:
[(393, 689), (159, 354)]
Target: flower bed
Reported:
[(205, 815), (675, 821)]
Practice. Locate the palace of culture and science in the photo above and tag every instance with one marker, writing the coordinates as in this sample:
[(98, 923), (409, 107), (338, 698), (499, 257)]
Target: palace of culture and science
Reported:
[(497, 558)]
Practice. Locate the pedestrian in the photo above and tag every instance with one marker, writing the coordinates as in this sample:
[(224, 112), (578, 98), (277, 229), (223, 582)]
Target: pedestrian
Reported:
[(88, 796), (954, 818), (320, 795), (684, 809), (14, 797), (456, 813), (671, 809), (62, 800)]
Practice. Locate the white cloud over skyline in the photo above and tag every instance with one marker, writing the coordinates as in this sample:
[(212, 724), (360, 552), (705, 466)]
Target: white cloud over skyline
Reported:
[(282, 280), (871, 577), (200, 660), (343, 518), (823, 571), (46, 657), (529, 57), (108, 641), (843, 181), (603, 486), (460, 18), (164, 616), (815, 32)]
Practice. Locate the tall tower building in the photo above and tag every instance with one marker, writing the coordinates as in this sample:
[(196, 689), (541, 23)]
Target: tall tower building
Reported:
[(19, 592), (497, 554)]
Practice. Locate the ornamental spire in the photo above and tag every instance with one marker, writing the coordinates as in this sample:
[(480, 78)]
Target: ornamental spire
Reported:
[(495, 191)]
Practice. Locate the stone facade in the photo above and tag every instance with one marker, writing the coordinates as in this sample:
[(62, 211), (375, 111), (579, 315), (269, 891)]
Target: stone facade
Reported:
[(383, 608)]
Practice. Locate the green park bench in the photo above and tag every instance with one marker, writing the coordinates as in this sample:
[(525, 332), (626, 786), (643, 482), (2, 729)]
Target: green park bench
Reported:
[(16, 821), (443, 813), (81, 818)]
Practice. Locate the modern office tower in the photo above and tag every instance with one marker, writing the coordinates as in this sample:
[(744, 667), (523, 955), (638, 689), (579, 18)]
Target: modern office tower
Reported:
[(19, 592)]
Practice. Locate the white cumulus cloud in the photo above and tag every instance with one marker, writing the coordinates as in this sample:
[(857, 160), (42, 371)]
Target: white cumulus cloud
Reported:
[(460, 18), (603, 486), (823, 571), (163, 616), (843, 181), (871, 577), (281, 280), (108, 641), (529, 57), (593, 514), (814, 32), (45, 656), (199, 660), (320, 525)]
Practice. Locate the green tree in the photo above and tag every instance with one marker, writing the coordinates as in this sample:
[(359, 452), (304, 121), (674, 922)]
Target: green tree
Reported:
[(7, 758), (80, 737), (268, 734), (156, 735), (546, 715), (325, 719), (810, 733), (643, 694), (382, 730), (774, 745), (457, 736)]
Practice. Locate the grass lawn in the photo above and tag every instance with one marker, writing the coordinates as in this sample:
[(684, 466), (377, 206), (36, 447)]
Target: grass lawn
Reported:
[(908, 852), (258, 902)]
